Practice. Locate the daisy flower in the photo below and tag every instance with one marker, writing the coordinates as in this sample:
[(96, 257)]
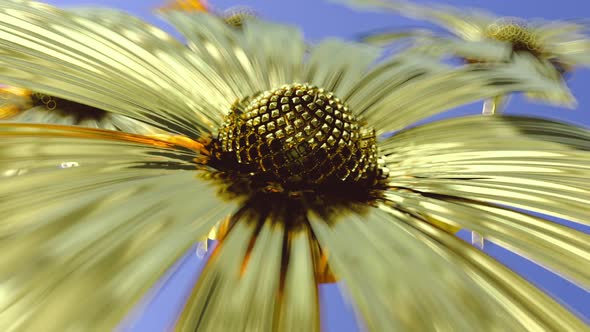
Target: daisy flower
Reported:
[(557, 47), (24, 105), (281, 151)]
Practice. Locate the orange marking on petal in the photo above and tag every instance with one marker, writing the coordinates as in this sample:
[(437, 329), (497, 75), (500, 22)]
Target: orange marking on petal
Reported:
[(186, 5), (9, 111), (180, 141), (52, 130), (16, 91), (323, 272)]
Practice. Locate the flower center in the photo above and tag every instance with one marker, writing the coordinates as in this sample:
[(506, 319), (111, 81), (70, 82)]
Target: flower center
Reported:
[(236, 17), (297, 134), (515, 31)]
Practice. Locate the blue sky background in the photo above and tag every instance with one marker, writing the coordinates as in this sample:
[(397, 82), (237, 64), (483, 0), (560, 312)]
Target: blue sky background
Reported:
[(321, 19)]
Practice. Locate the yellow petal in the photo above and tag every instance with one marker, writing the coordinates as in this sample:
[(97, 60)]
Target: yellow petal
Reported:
[(465, 22), (337, 66), (111, 61), (247, 62), (412, 88), (90, 221), (396, 280), (300, 306), (560, 248), (522, 307), (532, 164)]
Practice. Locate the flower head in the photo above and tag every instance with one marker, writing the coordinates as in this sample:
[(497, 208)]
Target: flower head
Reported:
[(282, 151), (558, 47), (234, 16), (24, 105)]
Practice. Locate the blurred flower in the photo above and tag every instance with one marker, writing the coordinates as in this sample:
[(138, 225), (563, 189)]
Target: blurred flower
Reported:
[(235, 16), (23, 105), (281, 147), (556, 47)]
